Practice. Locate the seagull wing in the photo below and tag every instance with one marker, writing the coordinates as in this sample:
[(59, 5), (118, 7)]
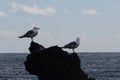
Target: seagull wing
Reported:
[(29, 33), (70, 45)]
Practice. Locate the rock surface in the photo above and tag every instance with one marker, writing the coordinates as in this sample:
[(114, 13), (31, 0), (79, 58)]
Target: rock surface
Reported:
[(54, 64)]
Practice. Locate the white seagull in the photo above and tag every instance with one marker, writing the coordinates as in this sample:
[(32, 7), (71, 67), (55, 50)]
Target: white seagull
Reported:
[(31, 33), (73, 45)]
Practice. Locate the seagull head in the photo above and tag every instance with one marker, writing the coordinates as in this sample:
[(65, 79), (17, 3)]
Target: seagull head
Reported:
[(36, 28), (78, 40)]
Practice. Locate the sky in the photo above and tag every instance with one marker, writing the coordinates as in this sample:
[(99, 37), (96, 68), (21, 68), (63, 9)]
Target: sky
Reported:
[(96, 22)]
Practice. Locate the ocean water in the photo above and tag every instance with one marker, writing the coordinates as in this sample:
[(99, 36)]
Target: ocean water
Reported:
[(101, 66)]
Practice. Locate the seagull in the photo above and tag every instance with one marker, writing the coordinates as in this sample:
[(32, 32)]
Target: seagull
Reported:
[(31, 33), (73, 45)]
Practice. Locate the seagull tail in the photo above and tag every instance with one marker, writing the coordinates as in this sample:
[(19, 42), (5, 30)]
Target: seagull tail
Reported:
[(20, 37)]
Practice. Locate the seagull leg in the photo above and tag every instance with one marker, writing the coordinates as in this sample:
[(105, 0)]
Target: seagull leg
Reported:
[(73, 50), (32, 39)]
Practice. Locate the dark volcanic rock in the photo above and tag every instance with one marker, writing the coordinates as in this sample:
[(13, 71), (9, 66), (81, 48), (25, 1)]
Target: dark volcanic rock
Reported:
[(35, 47), (54, 64)]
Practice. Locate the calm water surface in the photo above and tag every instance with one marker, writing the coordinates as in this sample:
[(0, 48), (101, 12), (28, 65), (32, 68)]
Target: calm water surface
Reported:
[(102, 66)]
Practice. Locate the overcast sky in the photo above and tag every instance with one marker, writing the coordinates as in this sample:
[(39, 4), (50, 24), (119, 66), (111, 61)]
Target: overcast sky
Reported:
[(96, 22)]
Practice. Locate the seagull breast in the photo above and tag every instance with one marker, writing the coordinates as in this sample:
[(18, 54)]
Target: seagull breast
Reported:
[(34, 33)]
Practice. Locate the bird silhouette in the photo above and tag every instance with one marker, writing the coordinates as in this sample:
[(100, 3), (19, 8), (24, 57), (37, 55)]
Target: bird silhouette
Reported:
[(31, 33), (73, 45)]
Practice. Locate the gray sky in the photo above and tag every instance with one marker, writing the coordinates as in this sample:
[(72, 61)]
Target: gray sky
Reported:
[(96, 22)]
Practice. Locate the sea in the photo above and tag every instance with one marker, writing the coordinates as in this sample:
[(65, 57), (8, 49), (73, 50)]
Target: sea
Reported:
[(99, 65)]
